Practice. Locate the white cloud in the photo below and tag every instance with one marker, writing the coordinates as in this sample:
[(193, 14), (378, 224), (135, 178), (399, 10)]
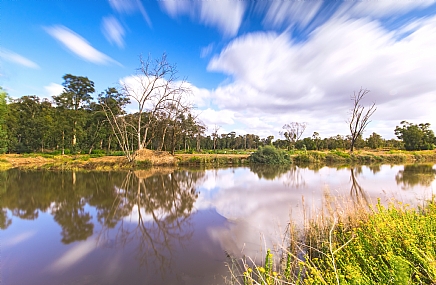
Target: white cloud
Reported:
[(17, 58), (78, 45), (53, 89), (130, 7), (213, 117), (290, 12), (113, 31), (313, 80), (382, 8), (206, 50), (226, 15)]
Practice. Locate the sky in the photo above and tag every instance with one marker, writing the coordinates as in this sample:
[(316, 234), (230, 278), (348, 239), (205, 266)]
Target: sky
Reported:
[(252, 65)]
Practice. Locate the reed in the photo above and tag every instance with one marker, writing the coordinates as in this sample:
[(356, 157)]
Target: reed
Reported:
[(393, 244)]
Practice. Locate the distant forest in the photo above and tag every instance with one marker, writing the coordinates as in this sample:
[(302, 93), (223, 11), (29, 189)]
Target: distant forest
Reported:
[(77, 122)]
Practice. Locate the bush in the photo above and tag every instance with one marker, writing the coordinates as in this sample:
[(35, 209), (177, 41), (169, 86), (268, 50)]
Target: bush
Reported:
[(270, 155)]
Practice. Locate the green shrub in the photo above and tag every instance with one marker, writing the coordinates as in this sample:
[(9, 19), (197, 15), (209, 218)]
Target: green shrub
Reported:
[(270, 155)]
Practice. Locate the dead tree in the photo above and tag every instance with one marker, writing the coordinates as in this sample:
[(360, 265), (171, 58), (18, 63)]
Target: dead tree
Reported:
[(359, 118), (151, 89), (158, 95), (293, 132)]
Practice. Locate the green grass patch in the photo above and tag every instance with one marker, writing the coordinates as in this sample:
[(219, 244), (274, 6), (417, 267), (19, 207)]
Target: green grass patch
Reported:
[(143, 163)]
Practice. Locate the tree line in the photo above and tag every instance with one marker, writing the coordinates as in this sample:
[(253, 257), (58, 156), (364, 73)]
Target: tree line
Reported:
[(79, 121)]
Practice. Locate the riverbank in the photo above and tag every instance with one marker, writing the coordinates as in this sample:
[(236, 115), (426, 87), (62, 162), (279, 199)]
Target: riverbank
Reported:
[(149, 158)]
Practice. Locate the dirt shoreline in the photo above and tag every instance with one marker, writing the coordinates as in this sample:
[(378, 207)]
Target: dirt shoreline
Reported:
[(145, 159)]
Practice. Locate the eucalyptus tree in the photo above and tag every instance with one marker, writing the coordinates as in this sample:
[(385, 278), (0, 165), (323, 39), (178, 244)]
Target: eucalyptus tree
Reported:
[(416, 136), (293, 132), (3, 114), (30, 124), (75, 97), (359, 119)]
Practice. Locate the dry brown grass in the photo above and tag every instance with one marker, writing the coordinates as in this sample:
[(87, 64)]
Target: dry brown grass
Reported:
[(156, 157)]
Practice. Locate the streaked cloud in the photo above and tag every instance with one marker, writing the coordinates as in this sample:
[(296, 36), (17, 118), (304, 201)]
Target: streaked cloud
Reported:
[(377, 9), (205, 51), (17, 58), (130, 7), (113, 31), (79, 46), (225, 15), (313, 80), (290, 12)]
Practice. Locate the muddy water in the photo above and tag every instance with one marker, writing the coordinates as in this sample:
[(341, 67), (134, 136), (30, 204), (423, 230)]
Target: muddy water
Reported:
[(171, 226)]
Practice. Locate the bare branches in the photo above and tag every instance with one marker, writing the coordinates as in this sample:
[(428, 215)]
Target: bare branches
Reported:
[(293, 132), (359, 118), (160, 97), (154, 88)]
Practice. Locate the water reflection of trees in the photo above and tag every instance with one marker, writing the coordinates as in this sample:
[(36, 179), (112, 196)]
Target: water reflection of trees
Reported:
[(268, 171), (164, 204), (158, 204), (416, 174), (291, 174), (358, 195), (168, 198)]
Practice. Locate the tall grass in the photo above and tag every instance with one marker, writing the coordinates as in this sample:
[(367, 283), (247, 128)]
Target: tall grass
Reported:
[(394, 244)]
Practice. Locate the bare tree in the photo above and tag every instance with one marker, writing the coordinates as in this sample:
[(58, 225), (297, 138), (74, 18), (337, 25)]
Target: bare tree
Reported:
[(155, 85), (359, 118), (158, 95), (293, 132)]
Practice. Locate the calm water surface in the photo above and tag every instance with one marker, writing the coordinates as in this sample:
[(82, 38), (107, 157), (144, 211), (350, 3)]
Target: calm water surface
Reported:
[(170, 226)]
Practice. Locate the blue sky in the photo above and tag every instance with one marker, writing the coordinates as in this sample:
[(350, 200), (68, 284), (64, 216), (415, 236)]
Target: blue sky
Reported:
[(253, 65)]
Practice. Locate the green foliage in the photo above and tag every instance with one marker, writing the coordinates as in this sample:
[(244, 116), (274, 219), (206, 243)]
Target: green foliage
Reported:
[(384, 245), (270, 155), (143, 163), (375, 141), (416, 137), (3, 113)]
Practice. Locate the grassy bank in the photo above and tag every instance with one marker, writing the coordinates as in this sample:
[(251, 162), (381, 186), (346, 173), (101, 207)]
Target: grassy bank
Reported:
[(393, 244), (213, 159), (363, 157), (152, 158)]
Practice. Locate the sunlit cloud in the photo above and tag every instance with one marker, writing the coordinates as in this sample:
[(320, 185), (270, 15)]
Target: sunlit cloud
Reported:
[(17, 58), (78, 45), (113, 31)]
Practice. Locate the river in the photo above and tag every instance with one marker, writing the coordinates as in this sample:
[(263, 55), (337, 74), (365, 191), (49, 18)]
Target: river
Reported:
[(172, 226)]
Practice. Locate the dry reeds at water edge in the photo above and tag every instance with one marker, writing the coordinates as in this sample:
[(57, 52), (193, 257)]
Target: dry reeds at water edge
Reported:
[(393, 244)]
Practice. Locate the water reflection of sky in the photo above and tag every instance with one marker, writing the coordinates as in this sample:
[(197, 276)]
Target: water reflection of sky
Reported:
[(238, 210), (260, 209)]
